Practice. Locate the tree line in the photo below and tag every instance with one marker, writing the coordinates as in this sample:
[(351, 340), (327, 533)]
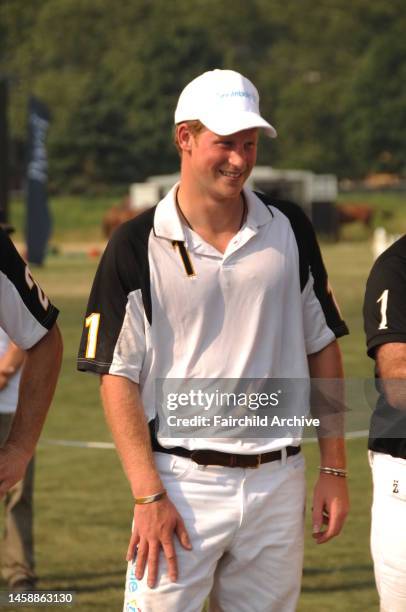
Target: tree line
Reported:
[(331, 74)]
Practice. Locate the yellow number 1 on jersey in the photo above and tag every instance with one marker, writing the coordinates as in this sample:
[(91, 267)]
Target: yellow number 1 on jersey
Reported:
[(384, 307), (92, 322)]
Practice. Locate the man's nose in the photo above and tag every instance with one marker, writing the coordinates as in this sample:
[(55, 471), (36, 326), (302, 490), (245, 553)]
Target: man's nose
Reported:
[(237, 158)]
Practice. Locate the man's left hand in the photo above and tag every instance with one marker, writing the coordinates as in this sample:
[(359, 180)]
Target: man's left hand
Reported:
[(330, 507)]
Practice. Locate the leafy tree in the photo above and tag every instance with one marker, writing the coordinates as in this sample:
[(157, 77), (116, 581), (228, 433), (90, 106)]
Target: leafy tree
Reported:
[(376, 120), (331, 79)]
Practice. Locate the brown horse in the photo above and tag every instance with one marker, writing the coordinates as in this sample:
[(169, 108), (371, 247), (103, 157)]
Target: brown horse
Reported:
[(350, 212), (117, 215)]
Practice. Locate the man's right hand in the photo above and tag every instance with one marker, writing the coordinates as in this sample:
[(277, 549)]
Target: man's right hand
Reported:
[(154, 526), (154, 523)]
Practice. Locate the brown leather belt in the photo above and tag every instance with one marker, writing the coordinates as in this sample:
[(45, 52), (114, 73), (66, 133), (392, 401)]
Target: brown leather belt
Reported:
[(212, 457)]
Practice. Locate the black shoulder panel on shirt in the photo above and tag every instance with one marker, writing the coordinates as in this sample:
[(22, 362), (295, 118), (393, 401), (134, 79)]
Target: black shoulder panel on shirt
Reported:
[(137, 232), (123, 268), (17, 272), (310, 259)]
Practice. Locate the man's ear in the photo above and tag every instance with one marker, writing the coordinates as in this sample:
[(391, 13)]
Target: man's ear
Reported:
[(184, 137)]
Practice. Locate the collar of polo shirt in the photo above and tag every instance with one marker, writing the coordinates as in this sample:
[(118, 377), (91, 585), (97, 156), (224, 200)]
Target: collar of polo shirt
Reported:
[(167, 223)]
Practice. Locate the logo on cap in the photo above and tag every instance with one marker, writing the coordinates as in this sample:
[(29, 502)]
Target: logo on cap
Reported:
[(238, 94)]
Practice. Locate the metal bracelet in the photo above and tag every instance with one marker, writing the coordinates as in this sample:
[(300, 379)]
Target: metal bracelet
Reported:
[(333, 471), (150, 498)]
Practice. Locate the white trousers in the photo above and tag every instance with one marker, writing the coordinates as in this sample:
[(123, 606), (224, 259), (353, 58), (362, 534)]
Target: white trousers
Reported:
[(388, 530), (246, 527)]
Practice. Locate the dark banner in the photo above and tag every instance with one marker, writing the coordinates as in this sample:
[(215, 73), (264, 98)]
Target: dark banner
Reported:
[(38, 227)]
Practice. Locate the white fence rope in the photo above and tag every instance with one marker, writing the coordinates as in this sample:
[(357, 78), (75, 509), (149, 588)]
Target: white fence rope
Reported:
[(351, 435)]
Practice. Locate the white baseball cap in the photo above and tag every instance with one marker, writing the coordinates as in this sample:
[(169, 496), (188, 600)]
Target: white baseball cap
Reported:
[(224, 101)]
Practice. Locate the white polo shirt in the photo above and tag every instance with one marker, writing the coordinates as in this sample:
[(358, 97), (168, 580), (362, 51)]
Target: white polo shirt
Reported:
[(168, 305)]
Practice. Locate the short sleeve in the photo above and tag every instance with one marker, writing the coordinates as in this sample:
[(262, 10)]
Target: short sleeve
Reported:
[(385, 303), (26, 314), (317, 333), (113, 338)]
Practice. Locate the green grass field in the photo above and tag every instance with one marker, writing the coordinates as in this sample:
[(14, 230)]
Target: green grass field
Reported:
[(75, 219), (82, 503)]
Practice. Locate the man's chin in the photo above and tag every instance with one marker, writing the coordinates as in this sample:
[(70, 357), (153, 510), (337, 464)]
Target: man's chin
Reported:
[(232, 186)]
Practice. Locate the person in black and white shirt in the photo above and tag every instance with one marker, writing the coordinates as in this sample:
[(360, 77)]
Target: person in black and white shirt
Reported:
[(215, 283), (385, 327), (29, 319)]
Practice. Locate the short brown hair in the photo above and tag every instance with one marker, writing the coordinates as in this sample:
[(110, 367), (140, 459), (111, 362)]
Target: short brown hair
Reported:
[(195, 126)]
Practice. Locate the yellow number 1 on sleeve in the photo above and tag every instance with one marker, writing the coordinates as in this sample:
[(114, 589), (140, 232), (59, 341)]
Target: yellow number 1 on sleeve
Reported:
[(92, 322), (384, 307)]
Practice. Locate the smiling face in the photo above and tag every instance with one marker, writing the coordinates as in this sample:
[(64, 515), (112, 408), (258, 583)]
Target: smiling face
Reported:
[(217, 165)]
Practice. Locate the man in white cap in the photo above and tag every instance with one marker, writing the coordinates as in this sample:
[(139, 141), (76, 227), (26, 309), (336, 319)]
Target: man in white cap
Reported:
[(214, 284)]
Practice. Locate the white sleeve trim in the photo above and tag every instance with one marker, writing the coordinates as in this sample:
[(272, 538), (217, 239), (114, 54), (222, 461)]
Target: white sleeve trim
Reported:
[(129, 352), (16, 319)]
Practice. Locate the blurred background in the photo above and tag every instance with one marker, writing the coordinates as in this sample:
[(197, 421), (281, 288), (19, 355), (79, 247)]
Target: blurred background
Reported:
[(87, 95)]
